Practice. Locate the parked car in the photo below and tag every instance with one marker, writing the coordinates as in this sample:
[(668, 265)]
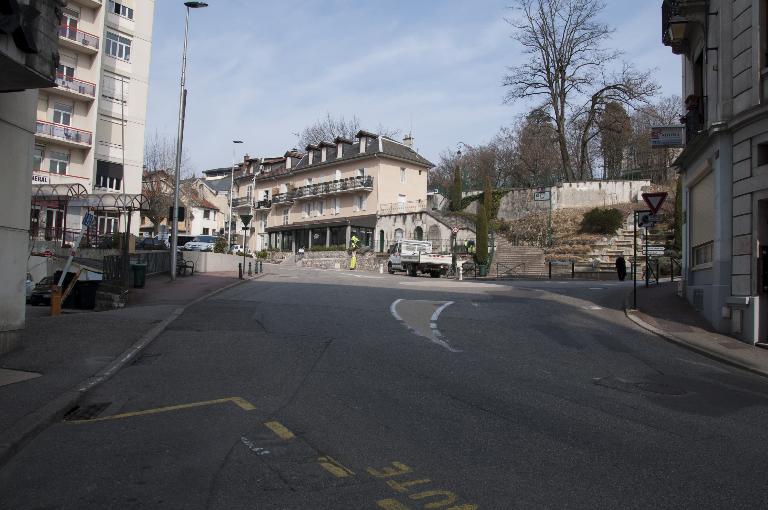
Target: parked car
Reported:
[(41, 294), (152, 243), (201, 243)]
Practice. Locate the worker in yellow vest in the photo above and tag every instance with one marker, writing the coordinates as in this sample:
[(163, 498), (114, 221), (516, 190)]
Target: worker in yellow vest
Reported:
[(354, 242)]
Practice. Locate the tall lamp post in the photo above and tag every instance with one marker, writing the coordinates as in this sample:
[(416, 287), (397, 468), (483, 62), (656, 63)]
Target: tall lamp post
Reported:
[(179, 138), (231, 186)]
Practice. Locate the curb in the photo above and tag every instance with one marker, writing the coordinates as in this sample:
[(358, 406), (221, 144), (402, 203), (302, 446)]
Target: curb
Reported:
[(709, 353), (23, 431)]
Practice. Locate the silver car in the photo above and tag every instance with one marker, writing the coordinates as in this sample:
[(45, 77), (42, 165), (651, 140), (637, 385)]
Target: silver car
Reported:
[(201, 243)]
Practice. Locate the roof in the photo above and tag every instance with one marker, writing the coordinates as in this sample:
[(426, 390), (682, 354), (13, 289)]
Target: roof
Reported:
[(225, 170), (219, 184)]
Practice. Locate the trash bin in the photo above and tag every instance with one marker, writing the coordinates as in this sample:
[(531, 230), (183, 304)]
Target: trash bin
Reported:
[(139, 275)]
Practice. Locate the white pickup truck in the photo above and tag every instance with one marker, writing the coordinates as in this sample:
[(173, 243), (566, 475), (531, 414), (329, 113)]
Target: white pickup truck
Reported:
[(416, 257)]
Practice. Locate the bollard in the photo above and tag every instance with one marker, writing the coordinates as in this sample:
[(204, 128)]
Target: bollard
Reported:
[(381, 268), (250, 272), (461, 273), (55, 300), (261, 267), (240, 270)]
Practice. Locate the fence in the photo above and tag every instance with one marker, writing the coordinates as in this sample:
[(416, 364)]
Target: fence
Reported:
[(156, 261)]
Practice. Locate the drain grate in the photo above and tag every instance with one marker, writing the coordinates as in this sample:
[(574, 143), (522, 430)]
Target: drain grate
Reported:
[(89, 412)]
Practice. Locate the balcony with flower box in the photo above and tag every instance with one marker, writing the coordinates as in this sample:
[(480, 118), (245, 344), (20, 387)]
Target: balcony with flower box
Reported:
[(74, 88), (63, 135), (283, 198), (263, 204), (78, 40)]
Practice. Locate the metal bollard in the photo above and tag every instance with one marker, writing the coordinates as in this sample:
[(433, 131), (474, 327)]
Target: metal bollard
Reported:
[(461, 273), (381, 268), (250, 272), (261, 267), (240, 270)]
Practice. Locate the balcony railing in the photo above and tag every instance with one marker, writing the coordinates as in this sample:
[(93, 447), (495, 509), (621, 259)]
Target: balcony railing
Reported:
[(404, 207), (79, 36), (241, 201), (263, 204), (63, 132), (283, 198), (340, 186), (75, 85)]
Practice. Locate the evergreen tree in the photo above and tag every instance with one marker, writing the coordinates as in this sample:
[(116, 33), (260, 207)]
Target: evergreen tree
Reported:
[(481, 228), (456, 188)]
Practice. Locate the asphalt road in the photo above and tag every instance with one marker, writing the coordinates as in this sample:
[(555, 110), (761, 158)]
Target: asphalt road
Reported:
[(340, 390)]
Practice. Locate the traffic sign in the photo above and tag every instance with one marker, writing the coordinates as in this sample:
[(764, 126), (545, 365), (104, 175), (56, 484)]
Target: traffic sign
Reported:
[(654, 200), (541, 196), (645, 219), (88, 219), (246, 218)]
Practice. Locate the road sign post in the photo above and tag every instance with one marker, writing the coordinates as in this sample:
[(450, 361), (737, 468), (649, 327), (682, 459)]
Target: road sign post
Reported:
[(655, 200), (246, 219), (634, 262)]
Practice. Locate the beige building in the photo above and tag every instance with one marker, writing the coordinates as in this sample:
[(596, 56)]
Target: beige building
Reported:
[(331, 192), (90, 127)]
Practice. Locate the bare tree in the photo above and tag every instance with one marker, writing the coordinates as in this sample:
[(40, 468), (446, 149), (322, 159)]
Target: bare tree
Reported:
[(615, 131), (329, 127), (157, 187), (160, 154), (538, 160), (643, 160), (565, 43)]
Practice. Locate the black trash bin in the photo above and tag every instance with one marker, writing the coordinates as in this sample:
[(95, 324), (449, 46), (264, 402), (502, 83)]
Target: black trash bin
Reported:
[(139, 275)]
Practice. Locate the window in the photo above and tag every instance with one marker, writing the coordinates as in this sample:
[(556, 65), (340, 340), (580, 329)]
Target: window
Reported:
[(62, 114), (59, 161), (285, 216), (360, 203), (361, 172), (107, 224), (37, 157), (398, 234), (120, 9), (109, 176), (206, 231), (115, 87), (320, 207), (307, 210), (206, 215), (702, 254), (337, 175), (402, 175), (118, 46), (66, 72)]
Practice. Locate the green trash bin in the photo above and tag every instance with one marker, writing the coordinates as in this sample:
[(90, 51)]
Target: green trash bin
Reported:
[(139, 275)]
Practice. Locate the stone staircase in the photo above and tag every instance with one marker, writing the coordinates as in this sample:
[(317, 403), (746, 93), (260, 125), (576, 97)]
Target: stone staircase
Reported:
[(517, 261), (605, 253)]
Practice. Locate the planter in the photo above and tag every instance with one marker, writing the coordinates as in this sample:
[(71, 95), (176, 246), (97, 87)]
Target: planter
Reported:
[(482, 270)]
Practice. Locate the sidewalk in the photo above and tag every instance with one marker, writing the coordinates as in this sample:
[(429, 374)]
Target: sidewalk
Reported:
[(662, 312), (61, 357)]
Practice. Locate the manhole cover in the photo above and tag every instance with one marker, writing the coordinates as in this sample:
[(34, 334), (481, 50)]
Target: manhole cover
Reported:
[(89, 412)]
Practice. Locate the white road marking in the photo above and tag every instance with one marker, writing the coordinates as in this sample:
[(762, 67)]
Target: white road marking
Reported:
[(593, 307), (433, 333), (595, 288), (440, 310), (361, 276), (393, 310)]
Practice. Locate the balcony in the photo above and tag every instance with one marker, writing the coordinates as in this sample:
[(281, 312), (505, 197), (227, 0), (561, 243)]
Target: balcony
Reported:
[(74, 88), (403, 207), (350, 184), (263, 204), (93, 4), (242, 201), (78, 40), (283, 198), (64, 135), (694, 119)]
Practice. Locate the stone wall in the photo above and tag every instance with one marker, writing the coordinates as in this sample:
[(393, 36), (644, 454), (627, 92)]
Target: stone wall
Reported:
[(340, 260), (435, 227)]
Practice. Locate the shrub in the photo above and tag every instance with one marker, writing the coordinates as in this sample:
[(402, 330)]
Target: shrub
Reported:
[(601, 221), (220, 246), (262, 254)]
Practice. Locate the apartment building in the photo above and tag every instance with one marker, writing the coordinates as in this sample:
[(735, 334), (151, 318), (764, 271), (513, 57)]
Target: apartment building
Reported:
[(332, 191), (724, 165), (90, 126)]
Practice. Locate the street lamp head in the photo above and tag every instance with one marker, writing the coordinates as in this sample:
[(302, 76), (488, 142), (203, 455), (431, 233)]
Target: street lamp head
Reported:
[(237, 141), (195, 5)]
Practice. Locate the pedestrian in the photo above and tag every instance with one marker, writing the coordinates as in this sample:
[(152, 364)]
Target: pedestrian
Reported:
[(621, 267)]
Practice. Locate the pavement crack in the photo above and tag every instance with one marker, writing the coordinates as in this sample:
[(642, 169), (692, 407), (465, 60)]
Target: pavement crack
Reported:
[(326, 344)]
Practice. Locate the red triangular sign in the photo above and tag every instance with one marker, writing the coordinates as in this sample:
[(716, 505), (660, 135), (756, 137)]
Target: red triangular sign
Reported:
[(654, 200)]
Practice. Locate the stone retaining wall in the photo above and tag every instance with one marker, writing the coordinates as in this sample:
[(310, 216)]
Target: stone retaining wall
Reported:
[(340, 260)]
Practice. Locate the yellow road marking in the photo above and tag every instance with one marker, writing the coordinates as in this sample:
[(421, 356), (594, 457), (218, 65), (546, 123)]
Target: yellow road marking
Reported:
[(334, 467), (391, 504), (239, 402), (280, 430)]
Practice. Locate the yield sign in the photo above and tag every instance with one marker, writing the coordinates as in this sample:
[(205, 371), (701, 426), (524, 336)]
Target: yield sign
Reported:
[(246, 218), (654, 200)]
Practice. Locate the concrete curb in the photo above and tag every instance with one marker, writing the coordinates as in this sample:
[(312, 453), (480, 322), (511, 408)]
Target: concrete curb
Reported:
[(26, 429), (698, 348)]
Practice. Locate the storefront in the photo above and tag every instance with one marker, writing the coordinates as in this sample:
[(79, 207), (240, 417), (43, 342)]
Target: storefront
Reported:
[(319, 235)]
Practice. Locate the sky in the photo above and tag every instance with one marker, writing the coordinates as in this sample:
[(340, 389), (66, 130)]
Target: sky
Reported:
[(260, 71)]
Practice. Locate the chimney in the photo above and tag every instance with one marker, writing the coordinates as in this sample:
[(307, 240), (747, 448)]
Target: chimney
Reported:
[(408, 140), (339, 150), (288, 160)]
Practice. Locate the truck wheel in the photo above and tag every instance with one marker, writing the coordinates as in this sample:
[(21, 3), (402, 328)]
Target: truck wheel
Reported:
[(389, 268), (434, 274), (411, 271)]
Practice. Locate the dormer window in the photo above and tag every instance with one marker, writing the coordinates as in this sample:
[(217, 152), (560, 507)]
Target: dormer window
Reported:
[(363, 143), (339, 150), (323, 154)]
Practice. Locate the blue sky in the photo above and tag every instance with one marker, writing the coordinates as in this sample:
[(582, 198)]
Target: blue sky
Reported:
[(259, 71)]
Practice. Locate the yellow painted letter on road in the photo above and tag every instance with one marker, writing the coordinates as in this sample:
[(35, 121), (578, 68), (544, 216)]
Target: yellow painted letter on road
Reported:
[(449, 498), (403, 487), (391, 504), (398, 469)]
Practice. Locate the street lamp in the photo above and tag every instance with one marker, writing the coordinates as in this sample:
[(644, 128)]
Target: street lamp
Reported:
[(179, 138), (231, 185), (676, 29)]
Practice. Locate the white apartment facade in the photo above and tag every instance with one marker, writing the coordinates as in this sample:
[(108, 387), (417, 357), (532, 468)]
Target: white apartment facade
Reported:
[(90, 127)]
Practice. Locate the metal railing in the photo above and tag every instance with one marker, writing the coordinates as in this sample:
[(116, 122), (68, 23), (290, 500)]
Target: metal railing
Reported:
[(339, 186), (283, 198), (75, 85), (64, 132), (157, 262), (401, 208), (91, 238), (75, 34), (510, 270), (263, 204), (240, 201)]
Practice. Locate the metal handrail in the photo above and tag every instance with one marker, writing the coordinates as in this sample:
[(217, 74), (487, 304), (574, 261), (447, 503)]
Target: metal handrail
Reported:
[(80, 86), (511, 270), (64, 132), (75, 34)]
